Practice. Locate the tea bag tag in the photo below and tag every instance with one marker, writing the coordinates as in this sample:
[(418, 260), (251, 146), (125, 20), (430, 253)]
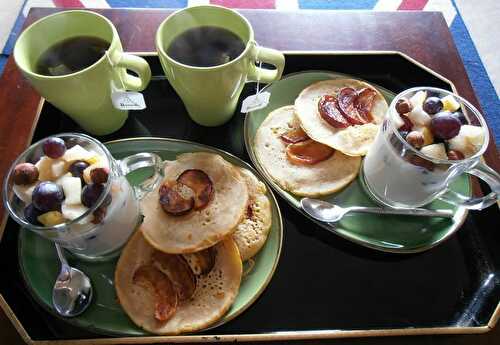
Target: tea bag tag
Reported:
[(260, 99), (128, 100), (255, 102), (125, 100)]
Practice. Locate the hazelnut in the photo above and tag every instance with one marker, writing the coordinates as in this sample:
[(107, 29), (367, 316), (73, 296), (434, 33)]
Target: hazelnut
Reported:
[(403, 106), (99, 215), (455, 155), (25, 174), (99, 175), (421, 162), (415, 139)]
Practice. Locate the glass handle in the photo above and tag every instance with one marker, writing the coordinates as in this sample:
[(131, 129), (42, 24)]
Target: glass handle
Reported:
[(139, 161), (488, 175)]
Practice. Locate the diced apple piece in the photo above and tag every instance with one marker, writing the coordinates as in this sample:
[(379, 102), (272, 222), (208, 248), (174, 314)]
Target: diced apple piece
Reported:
[(398, 121), (77, 153), (450, 103), (468, 141), (474, 134), (86, 174), (72, 187), (437, 151), (24, 192), (418, 99), (58, 168), (73, 211), (44, 166), (51, 218), (419, 117), (426, 132)]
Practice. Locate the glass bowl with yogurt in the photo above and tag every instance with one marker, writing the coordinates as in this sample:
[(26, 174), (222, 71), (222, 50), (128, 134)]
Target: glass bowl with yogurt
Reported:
[(428, 138), (69, 189)]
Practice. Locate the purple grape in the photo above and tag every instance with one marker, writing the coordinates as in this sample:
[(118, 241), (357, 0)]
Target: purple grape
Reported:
[(91, 193), (76, 169), (432, 105), (48, 196), (31, 214), (461, 117), (54, 147), (445, 126)]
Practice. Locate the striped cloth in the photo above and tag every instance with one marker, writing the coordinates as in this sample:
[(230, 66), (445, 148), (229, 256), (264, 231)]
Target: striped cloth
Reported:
[(477, 73)]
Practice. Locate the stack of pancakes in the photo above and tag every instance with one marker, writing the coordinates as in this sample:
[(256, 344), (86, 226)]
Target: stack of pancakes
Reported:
[(181, 272), (339, 149)]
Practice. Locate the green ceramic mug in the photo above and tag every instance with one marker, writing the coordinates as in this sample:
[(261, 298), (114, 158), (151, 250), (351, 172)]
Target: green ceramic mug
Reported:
[(84, 95), (211, 94)]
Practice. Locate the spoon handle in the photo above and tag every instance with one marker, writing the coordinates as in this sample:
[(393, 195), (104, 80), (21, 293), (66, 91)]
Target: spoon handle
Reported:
[(60, 254), (419, 212)]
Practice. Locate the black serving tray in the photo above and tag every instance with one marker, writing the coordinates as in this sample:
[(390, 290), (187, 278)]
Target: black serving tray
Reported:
[(324, 286)]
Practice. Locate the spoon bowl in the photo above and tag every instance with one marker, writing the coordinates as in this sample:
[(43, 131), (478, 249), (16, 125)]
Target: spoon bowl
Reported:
[(72, 292)]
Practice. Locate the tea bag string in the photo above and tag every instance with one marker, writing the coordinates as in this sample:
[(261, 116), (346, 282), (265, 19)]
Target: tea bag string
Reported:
[(114, 65)]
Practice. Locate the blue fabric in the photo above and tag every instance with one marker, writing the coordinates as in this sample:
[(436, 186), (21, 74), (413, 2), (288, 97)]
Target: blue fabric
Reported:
[(3, 60), (338, 4), (16, 29), (148, 3), (490, 103)]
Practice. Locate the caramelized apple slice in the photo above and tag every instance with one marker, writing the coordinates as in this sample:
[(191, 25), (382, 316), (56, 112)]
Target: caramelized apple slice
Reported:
[(293, 136), (308, 152), (166, 300), (329, 111), (201, 185), (201, 262), (346, 98), (179, 272), (364, 103), (174, 199)]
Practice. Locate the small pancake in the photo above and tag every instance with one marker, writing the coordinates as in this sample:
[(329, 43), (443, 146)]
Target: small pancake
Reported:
[(198, 229), (215, 292), (322, 178), (353, 140), (251, 233)]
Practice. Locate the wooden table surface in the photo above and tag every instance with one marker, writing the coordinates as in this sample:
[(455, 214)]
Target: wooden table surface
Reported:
[(423, 36)]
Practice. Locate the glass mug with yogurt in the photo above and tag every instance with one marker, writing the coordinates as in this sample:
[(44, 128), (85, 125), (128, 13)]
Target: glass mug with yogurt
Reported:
[(411, 163), (81, 199)]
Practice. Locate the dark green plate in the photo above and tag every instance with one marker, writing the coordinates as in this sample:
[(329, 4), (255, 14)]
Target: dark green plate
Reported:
[(39, 264), (399, 234)]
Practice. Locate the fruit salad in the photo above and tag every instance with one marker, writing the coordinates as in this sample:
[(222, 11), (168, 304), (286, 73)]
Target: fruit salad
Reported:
[(428, 138), (437, 127), (63, 184), (67, 189)]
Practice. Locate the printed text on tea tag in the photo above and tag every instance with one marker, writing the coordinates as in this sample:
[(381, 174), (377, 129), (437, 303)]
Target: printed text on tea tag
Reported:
[(128, 100)]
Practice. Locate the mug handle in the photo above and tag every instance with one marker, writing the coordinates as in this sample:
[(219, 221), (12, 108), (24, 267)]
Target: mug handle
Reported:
[(139, 66), (488, 175), (143, 160), (270, 56)]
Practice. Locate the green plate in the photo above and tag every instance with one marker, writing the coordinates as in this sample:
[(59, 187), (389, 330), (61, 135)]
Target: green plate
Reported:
[(399, 234), (39, 264)]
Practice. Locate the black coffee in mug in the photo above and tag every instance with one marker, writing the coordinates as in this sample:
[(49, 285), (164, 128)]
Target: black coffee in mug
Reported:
[(71, 55), (206, 46)]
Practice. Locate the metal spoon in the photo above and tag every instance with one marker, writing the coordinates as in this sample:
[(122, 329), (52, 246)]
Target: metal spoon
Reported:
[(328, 212), (72, 290)]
